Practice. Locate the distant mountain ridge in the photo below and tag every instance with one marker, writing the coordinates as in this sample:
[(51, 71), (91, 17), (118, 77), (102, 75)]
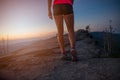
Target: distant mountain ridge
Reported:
[(98, 36)]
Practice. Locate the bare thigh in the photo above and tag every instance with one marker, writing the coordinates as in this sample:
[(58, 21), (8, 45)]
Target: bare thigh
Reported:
[(69, 19), (59, 24)]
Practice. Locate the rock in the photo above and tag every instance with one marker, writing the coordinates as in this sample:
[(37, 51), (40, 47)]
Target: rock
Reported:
[(41, 61)]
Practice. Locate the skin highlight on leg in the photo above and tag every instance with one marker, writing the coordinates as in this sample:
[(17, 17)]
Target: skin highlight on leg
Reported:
[(60, 29), (69, 20)]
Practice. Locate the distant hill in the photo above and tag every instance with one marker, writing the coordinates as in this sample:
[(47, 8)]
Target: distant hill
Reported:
[(98, 36)]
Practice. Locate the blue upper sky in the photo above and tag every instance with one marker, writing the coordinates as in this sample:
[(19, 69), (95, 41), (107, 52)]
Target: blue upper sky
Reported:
[(97, 13)]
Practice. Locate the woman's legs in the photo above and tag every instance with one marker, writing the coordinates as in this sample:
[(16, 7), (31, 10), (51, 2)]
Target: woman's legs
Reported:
[(60, 29), (69, 19)]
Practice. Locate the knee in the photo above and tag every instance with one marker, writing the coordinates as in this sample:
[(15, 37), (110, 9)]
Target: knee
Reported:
[(59, 36)]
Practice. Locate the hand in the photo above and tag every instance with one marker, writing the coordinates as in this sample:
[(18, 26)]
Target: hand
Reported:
[(50, 15)]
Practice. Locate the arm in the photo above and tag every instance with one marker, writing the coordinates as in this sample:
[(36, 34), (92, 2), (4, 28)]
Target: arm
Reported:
[(49, 9)]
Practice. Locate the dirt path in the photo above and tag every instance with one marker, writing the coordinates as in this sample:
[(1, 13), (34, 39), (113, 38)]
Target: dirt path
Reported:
[(40, 66)]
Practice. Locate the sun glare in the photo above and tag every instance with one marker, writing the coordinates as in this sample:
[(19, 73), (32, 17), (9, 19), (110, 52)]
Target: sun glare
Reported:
[(23, 33)]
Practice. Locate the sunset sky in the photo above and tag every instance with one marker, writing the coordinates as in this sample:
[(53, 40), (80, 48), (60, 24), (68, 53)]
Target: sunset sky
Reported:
[(28, 18)]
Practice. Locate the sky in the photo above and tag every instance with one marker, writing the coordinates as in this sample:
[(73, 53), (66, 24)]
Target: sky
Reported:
[(29, 18)]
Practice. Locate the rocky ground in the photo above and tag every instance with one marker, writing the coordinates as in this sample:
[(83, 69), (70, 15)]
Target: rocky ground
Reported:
[(41, 61)]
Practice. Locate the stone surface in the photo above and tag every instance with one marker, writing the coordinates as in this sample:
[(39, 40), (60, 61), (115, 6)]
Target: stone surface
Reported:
[(41, 61)]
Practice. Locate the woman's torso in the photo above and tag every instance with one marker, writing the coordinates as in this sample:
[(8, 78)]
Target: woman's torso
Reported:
[(63, 2)]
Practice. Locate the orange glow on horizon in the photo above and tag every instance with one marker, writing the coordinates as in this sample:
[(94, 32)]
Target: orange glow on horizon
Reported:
[(25, 36)]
